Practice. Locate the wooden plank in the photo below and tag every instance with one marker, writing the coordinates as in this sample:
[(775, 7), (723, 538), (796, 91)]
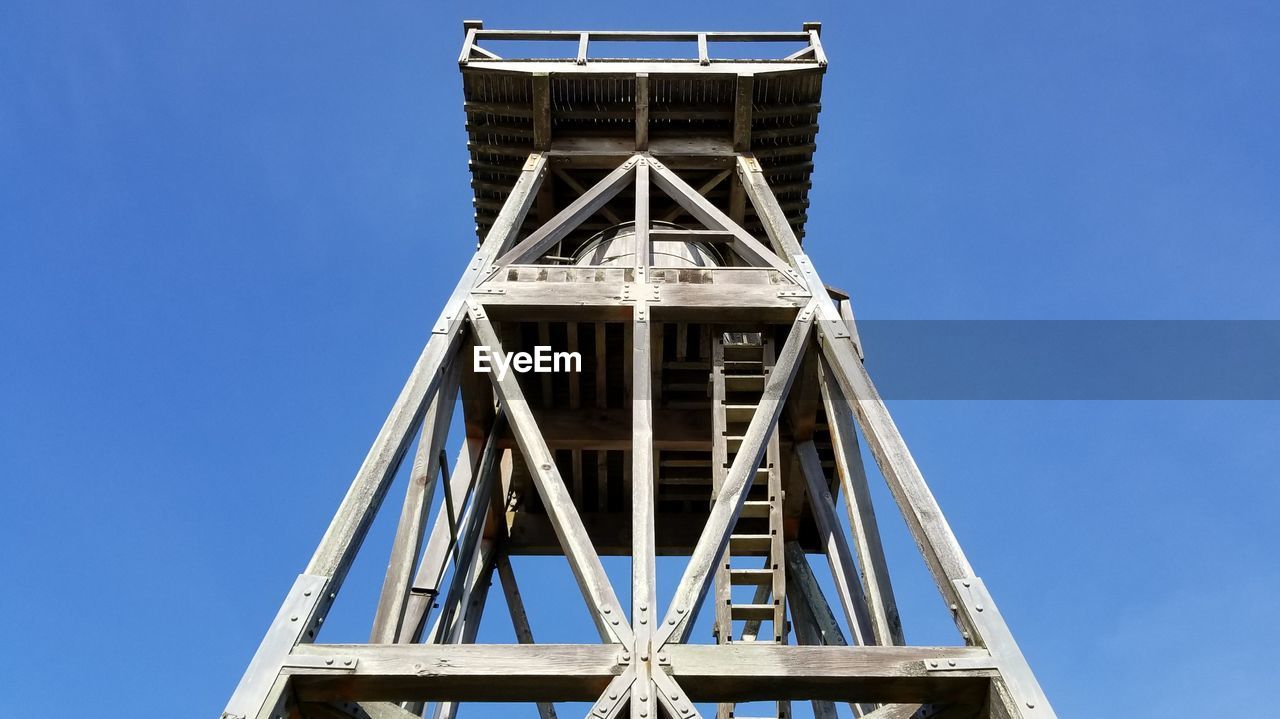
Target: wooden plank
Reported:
[(605, 609), (541, 111), (570, 217), (862, 517), (714, 539), (843, 571), (642, 112), (742, 109), (581, 672), (644, 595), (407, 545), (642, 248), (475, 672), (770, 213)]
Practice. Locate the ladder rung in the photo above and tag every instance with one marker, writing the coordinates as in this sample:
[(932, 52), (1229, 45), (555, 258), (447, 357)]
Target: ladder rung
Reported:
[(754, 577), (758, 612), (750, 543), (743, 382)]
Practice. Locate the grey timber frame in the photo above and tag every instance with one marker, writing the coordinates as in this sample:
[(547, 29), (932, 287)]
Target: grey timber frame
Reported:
[(537, 471)]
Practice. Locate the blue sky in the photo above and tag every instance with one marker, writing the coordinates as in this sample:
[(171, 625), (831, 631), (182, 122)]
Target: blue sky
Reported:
[(227, 228)]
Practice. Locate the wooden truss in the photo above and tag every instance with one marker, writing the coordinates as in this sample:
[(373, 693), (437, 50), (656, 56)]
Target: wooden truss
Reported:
[(642, 662), (770, 330)]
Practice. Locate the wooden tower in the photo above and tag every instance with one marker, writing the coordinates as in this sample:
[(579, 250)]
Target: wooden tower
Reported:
[(647, 214)]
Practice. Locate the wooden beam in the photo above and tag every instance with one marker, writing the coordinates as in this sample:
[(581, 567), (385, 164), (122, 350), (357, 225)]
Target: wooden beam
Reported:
[(840, 558), (407, 545), (570, 217), (605, 609), (703, 189), (770, 213), (577, 187), (748, 247), (541, 111), (644, 595), (581, 672), (862, 517), (642, 112), (711, 544)]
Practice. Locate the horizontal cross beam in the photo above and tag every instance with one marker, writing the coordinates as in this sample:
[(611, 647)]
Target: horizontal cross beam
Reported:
[(581, 672)]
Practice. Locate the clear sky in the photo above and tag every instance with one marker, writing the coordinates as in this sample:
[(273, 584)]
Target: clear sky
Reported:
[(227, 228)]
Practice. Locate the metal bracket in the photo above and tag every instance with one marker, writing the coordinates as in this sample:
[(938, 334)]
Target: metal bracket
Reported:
[(340, 664), (960, 664), (993, 634)]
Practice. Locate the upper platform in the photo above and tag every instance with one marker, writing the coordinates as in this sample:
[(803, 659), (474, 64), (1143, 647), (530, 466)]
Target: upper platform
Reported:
[(693, 99)]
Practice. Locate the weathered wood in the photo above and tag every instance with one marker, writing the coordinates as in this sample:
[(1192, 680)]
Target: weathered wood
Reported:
[(541, 112), (774, 219), (407, 544), (581, 672), (642, 112), (583, 560), (839, 557), (570, 217), (440, 546), (711, 544), (747, 247), (862, 517)]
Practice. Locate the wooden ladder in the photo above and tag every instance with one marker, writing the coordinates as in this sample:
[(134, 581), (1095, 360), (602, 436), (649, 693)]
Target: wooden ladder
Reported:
[(740, 364)]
